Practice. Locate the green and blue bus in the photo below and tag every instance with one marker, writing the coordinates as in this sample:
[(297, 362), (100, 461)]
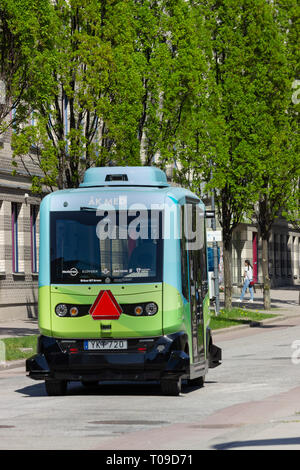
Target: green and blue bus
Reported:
[(123, 284)]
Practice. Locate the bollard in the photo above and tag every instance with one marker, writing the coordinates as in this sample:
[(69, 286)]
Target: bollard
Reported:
[(2, 353)]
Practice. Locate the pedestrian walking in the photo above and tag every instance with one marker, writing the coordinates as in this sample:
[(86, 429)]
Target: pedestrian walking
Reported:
[(248, 281)]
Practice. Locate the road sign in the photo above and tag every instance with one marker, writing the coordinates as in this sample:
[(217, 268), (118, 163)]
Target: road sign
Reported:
[(214, 235)]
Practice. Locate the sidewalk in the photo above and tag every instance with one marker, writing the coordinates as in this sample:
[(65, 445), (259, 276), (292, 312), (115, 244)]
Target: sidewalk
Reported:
[(284, 301), (17, 328)]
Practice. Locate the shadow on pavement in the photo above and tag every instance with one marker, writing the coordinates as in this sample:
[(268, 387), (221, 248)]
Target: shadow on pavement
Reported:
[(279, 325), (15, 332), (27, 328), (36, 390), (105, 389), (259, 303)]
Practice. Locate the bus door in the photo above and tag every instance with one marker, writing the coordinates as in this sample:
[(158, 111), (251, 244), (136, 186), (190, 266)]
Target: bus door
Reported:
[(197, 260)]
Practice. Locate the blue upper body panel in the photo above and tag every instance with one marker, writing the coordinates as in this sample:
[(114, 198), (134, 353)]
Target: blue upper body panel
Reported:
[(124, 176), (120, 197)]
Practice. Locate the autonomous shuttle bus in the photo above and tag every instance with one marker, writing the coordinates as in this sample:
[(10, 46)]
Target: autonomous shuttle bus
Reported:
[(123, 283)]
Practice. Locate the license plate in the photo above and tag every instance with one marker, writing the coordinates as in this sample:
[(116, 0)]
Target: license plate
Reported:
[(100, 344)]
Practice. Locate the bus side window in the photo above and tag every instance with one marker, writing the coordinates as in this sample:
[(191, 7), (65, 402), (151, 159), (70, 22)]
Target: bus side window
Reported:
[(197, 254), (200, 255), (184, 259), (203, 258)]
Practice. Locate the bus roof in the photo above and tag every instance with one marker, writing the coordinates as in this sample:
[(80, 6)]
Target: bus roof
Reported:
[(125, 176), (119, 187)]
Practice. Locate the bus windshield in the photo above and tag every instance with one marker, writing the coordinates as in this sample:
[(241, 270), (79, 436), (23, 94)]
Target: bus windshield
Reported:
[(91, 248)]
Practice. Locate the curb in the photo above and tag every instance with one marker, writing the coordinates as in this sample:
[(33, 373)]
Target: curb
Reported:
[(12, 364)]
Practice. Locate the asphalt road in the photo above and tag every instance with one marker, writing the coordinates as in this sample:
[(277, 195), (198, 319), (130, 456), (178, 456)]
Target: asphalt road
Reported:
[(250, 402)]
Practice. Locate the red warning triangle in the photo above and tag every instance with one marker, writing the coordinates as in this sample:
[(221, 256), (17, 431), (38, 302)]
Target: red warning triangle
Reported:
[(105, 307)]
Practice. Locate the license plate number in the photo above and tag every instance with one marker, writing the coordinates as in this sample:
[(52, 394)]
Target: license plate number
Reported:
[(99, 344)]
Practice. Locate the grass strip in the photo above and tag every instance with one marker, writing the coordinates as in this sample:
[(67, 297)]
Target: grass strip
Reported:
[(20, 348), (237, 316)]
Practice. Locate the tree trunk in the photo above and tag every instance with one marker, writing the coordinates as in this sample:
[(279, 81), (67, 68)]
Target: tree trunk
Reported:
[(265, 269), (227, 261), (265, 221)]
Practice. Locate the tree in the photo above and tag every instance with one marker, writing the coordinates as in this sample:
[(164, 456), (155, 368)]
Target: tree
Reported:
[(23, 42), (245, 124), (87, 114), (173, 65), (229, 121), (123, 80), (287, 16), (278, 165)]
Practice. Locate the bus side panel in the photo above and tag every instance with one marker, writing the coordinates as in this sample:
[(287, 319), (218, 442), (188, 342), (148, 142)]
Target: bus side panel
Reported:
[(206, 322), (44, 313), (188, 326), (174, 317), (44, 252)]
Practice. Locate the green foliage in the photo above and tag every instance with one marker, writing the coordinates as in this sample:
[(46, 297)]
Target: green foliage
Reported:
[(23, 40), (90, 80), (287, 17), (174, 66), (203, 86), (245, 144), (130, 76)]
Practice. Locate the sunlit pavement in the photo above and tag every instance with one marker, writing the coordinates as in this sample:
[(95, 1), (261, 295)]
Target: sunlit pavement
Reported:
[(250, 401)]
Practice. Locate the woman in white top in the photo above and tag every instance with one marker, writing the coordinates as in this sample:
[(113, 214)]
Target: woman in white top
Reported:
[(248, 277)]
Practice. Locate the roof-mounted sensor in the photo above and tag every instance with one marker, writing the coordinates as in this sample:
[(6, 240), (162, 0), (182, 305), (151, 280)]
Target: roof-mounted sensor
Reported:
[(116, 178)]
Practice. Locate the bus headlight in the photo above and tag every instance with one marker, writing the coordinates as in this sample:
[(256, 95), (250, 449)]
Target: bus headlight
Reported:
[(151, 308), (61, 310)]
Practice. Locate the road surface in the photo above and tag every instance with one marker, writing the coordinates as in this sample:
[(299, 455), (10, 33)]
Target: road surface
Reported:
[(250, 402)]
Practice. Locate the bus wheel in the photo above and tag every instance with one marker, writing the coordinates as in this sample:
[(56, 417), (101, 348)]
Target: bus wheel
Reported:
[(55, 388), (198, 382), (90, 383), (171, 387)]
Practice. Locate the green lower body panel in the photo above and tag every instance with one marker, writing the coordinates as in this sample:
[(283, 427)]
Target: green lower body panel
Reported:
[(84, 326)]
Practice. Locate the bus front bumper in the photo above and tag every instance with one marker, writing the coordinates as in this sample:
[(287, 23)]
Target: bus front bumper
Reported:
[(144, 359)]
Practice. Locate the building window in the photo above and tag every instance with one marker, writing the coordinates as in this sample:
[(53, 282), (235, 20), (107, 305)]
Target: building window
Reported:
[(2, 238), (282, 255), (33, 235), (15, 209), (277, 258), (255, 256)]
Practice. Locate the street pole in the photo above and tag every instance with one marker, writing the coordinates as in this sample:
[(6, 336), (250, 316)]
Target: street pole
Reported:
[(215, 252)]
